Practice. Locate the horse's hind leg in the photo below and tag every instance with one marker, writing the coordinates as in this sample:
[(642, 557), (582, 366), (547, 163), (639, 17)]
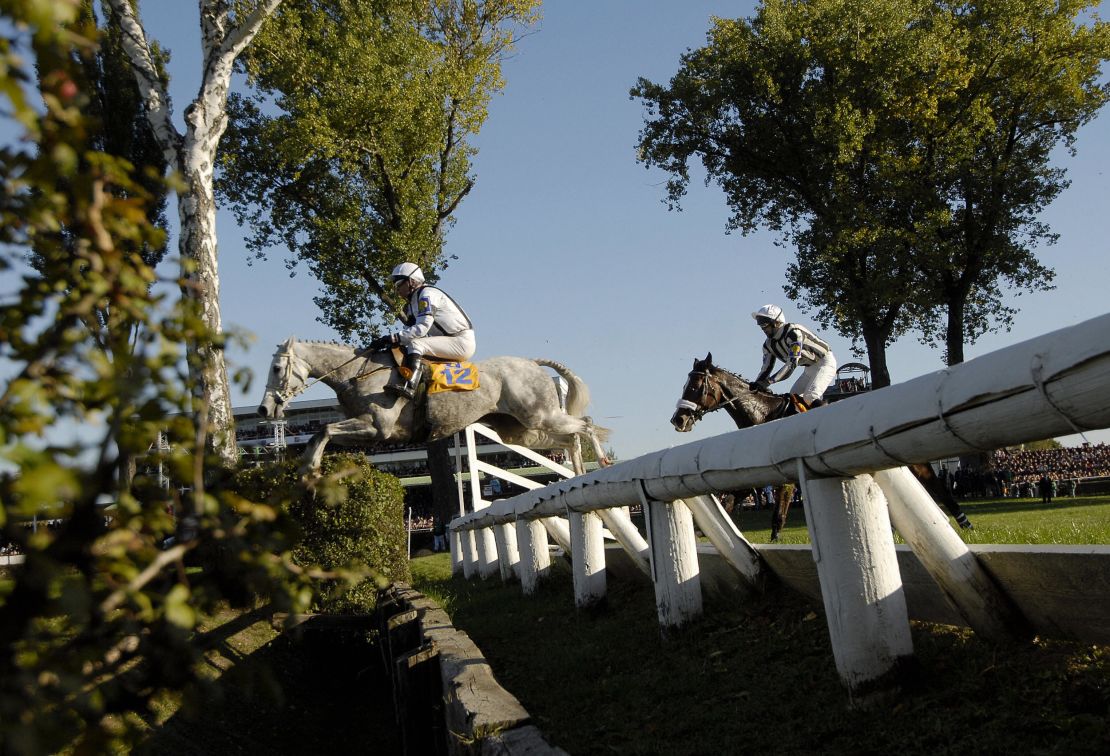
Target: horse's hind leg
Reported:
[(576, 460), (780, 509), (940, 493), (602, 457)]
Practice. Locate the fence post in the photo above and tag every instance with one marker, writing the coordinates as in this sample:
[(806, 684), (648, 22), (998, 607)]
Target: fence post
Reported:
[(559, 529), (508, 557), (619, 522), (470, 553), (455, 539), (535, 559), (587, 552), (712, 519), (861, 587), (918, 519), (674, 561), (487, 552)]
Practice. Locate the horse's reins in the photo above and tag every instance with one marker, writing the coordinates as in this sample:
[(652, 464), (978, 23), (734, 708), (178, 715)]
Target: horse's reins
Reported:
[(283, 399)]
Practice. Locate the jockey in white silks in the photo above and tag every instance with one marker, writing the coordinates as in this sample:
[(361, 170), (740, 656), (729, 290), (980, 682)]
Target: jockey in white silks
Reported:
[(794, 345), (435, 326)]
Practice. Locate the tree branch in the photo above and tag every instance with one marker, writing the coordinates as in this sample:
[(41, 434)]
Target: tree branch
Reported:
[(241, 35), (165, 557), (155, 97)]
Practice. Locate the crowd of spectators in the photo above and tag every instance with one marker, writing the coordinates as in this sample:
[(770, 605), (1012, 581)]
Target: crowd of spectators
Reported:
[(1032, 473), (1091, 461)]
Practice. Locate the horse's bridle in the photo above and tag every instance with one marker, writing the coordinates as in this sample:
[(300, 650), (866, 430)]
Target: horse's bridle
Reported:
[(282, 398), (695, 407)]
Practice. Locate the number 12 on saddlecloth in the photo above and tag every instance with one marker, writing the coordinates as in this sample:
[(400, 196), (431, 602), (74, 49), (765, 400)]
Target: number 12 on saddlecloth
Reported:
[(453, 376)]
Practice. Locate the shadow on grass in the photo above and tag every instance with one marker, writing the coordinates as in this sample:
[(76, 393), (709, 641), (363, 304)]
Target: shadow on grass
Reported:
[(758, 676), (315, 691)]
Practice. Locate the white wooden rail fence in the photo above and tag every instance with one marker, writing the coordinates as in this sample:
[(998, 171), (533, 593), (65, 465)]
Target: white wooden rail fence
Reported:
[(490, 549), (849, 459)]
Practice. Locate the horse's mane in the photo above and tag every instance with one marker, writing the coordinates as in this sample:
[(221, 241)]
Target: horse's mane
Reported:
[(726, 371), (333, 342)]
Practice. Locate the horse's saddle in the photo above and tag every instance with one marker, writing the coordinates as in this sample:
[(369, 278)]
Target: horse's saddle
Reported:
[(793, 404), (441, 374)]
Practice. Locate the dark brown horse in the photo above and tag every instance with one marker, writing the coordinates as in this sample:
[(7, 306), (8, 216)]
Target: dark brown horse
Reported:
[(709, 388)]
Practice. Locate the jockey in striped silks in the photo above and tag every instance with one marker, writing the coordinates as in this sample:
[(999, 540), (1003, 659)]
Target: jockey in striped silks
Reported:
[(793, 345)]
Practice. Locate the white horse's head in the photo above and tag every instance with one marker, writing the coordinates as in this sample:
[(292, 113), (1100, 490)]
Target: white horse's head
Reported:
[(287, 377)]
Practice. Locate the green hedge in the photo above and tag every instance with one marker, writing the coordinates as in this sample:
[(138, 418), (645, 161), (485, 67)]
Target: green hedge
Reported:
[(353, 517)]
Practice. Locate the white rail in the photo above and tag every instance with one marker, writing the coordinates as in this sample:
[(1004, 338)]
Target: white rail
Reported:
[(1053, 385)]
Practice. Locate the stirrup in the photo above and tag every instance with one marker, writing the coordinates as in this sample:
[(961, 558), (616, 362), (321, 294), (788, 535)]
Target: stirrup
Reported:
[(401, 389)]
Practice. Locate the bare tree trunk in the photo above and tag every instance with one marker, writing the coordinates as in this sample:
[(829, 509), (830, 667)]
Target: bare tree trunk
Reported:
[(876, 355), (954, 334), (193, 155)]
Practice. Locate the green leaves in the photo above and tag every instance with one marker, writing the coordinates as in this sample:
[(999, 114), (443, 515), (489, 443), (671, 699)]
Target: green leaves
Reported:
[(101, 444), (368, 157)]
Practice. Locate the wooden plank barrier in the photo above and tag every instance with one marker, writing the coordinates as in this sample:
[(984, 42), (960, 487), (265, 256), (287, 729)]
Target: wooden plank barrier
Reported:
[(445, 694), (849, 458)]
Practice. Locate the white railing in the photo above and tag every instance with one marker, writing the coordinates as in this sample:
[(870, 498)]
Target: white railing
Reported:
[(489, 549), (842, 455)]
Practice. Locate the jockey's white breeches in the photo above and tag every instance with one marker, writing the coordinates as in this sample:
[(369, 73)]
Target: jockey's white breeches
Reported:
[(816, 378), (461, 346)]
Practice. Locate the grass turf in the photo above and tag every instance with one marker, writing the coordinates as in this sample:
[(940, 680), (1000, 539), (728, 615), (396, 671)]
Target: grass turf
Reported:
[(760, 677), (1078, 520)]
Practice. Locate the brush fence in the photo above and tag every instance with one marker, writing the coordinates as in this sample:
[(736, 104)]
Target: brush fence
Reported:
[(849, 459)]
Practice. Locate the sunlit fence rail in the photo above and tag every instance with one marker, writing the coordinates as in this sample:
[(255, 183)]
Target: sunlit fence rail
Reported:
[(848, 458)]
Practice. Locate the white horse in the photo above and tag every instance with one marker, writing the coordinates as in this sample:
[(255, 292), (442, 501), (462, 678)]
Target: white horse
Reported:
[(516, 398)]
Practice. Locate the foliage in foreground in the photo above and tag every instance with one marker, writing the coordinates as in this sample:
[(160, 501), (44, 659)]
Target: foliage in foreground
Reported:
[(757, 676), (98, 623), (356, 522)]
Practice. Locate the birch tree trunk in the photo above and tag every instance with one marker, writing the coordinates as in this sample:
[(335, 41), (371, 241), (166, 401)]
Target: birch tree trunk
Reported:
[(193, 156)]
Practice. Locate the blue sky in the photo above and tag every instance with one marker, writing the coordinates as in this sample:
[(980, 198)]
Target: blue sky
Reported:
[(566, 250)]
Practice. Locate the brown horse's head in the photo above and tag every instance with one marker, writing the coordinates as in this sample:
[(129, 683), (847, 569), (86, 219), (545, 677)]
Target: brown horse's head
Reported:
[(695, 400), (710, 388)]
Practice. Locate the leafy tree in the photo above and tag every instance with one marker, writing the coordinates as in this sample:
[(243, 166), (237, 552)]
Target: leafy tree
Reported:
[(853, 130), (227, 29), (353, 152), (97, 625), (1033, 78)]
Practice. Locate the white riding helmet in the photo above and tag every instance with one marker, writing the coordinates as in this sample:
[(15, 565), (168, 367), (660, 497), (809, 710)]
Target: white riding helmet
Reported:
[(770, 312), (409, 271)]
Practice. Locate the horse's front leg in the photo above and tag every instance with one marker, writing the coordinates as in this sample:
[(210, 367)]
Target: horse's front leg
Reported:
[(314, 452), (355, 430)]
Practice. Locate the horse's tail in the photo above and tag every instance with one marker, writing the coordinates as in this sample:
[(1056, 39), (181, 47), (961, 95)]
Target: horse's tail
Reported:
[(578, 395)]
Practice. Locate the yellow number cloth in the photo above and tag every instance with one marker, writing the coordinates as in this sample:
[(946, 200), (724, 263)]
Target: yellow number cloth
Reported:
[(452, 376)]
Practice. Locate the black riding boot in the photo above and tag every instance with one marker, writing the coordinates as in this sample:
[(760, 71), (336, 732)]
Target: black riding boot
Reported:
[(407, 389)]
